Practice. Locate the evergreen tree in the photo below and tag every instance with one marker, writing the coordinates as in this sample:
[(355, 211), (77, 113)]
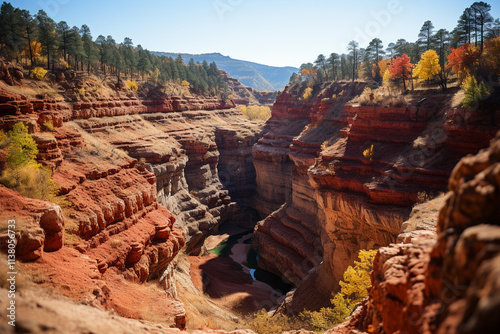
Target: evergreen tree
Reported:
[(63, 38), (353, 53), (482, 18), (425, 35), (90, 55), (401, 47), (375, 50), (29, 28), (320, 63), (463, 31), (11, 30), (333, 62), (75, 46), (46, 35), (391, 50), (104, 52)]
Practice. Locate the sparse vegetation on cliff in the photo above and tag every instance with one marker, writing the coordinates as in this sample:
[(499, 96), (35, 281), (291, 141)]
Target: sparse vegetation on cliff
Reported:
[(253, 112), (474, 93), (353, 289), (23, 173)]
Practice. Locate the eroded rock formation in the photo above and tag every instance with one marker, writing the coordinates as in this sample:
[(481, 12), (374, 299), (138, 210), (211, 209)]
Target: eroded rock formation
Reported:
[(335, 199), (445, 281), (141, 175)]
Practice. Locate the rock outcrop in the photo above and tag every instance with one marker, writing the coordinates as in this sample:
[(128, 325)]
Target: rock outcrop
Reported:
[(140, 179), (38, 226), (335, 199), (447, 281)]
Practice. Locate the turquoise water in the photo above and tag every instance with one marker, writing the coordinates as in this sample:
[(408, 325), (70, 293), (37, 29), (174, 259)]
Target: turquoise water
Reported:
[(279, 284)]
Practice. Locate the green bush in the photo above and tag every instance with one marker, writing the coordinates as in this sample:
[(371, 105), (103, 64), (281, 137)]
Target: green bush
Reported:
[(23, 173), (474, 93), (22, 149)]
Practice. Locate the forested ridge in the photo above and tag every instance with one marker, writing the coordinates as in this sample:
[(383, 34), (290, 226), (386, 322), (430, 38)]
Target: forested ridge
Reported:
[(434, 54), (39, 41)]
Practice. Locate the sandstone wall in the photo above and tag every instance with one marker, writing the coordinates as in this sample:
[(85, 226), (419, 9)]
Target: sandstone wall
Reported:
[(444, 278), (338, 201)]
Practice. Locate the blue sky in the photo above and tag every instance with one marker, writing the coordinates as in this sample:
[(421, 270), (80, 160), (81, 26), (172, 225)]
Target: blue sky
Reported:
[(279, 32)]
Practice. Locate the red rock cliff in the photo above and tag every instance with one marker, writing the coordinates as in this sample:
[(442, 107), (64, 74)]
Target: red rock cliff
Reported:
[(338, 201)]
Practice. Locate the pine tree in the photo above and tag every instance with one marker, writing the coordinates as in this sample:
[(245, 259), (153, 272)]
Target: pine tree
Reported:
[(63, 34), (89, 48), (29, 29), (482, 18), (333, 62), (425, 35), (353, 52), (46, 35), (375, 50)]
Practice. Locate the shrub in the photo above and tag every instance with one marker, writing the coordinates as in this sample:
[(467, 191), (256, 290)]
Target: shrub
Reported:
[(22, 149), (48, 125), (38, 73), (474, 93), (368, 153), (184, 83), (132, 85), (31, 180), (307, 93), (262, 323), (23, 173), (4, 140), (254, 112)]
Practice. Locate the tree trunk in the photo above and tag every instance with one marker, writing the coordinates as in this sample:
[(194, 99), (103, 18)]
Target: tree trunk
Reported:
[(482, 35), (29, 47)]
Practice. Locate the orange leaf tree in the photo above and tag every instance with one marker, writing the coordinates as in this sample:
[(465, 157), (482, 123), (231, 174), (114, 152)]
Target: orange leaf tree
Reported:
[(489, 62), (462, 59), (400, 69)]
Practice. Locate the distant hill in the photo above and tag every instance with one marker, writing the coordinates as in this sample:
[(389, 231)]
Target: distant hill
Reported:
[(257, 76)]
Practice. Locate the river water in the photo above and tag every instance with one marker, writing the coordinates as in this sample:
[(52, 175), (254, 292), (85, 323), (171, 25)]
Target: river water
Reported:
[(239, 248)]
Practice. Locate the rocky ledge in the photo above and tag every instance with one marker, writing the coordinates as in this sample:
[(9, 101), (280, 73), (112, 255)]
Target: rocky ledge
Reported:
[(332, 198)]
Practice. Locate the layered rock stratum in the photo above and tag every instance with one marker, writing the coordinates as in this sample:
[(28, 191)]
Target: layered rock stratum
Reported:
[(323, 200), (140, 177)]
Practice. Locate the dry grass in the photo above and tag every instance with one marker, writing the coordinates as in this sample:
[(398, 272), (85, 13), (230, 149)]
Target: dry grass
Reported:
[(115, 243), (382, 96)]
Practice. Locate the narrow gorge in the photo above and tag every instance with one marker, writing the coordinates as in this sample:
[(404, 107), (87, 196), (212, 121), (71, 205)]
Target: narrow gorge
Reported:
[(152, 182)]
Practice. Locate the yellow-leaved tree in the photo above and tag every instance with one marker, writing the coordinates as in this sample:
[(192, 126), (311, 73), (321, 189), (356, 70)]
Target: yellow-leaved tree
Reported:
[(428, 66), (353, 289)]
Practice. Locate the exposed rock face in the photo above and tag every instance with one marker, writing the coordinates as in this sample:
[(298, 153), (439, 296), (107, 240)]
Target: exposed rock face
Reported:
[(337, 201), (171, 140), (38, 225), (447, 284), (142, 177)]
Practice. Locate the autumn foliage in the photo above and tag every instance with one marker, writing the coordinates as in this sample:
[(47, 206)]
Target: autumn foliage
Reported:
[(400, 69), (428, 66), (462, 59), (489, 62)]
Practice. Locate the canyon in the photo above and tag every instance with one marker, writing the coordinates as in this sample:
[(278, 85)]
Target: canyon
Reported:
[(148, 177)]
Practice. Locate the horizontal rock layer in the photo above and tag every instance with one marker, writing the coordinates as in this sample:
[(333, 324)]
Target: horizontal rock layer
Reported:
[(348, 201)]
